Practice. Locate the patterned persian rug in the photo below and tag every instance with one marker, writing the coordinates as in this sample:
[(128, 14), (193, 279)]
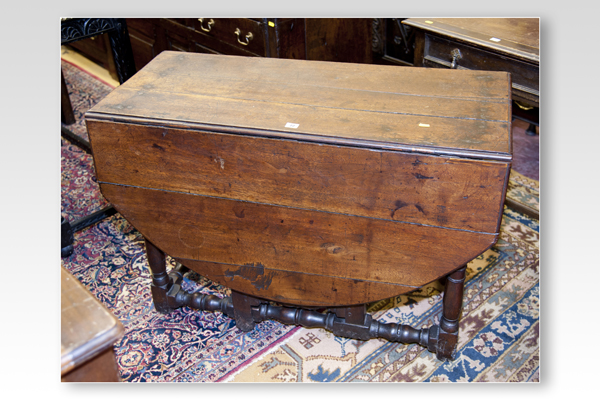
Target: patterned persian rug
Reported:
[(499, 329), (524, 192)]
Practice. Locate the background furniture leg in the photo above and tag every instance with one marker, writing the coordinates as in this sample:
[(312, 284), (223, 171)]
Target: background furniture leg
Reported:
[(68, 229), (66, 238), (66, 109), (120, 45), (531, 130)]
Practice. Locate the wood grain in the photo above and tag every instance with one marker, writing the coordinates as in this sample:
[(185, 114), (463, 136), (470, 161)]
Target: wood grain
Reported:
[(102, 368), (438, 191), (339, 39), (188, 73), (296, 288), (249, 239), (87, 327), (461, 109)]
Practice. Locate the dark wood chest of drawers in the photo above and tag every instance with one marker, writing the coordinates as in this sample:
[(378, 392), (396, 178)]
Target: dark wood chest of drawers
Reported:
[(491, 44), (325, 39), (308, 183)]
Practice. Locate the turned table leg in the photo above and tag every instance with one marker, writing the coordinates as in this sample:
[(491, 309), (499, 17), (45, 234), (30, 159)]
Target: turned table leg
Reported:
[(351, 322), (167, 293), (161, 283), (452, 306)]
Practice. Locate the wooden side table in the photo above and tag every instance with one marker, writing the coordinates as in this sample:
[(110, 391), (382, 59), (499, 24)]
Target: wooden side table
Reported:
[(310, 184), (73, 30), (490, 44), (88, 332)]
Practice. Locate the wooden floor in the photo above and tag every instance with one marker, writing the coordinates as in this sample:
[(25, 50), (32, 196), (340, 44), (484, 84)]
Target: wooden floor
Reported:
[(526, 151), (84, 63)]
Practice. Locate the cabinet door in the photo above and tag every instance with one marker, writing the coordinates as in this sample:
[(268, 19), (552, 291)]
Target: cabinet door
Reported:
[(142, 37), (339, 39)]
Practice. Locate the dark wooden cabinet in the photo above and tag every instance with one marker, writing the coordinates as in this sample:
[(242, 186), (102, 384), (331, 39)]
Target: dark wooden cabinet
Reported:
[(396, 41), (490, 44), (324, 39), (358, 40), (338, 39), (143, 40)]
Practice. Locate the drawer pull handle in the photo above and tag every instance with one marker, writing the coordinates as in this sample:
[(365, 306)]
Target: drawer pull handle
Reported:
[(210, 23), (456, 55), (249, 37)]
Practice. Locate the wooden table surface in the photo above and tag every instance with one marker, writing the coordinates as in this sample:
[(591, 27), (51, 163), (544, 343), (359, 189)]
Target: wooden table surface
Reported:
[(392, 107)]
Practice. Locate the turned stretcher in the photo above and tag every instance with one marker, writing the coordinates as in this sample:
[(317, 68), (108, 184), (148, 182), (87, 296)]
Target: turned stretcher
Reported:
[(309, 184)]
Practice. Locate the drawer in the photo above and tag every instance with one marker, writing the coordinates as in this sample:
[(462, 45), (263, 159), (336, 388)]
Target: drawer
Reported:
[(241, 33), (525, 76)]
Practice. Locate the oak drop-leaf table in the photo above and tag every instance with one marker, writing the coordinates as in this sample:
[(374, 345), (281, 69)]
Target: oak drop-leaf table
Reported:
[(305, 185)]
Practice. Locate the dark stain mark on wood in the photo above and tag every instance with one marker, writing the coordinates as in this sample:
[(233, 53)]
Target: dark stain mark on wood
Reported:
[(239, 213), (419, 176), (158, 147), (311, 222), (255, 273), (399, 205), (420, 209)]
